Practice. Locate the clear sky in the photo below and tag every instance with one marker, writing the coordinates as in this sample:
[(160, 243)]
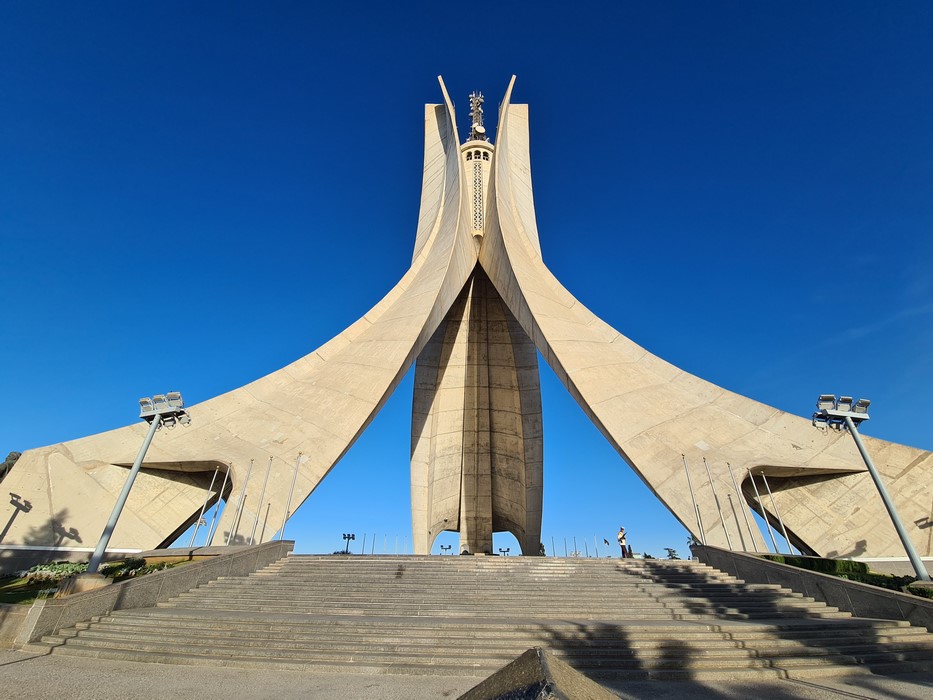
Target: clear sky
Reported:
[(193, 195)]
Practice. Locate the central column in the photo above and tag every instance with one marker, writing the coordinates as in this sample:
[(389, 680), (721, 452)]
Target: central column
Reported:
[(476, 482), (476, 462)]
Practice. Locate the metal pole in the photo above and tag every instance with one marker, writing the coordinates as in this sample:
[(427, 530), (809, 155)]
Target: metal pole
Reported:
[(223, 488), (207, 497), (743, 504), (596, 546), (262, 495), (98, 555), (790, 550), (363, 548), (239, 506), (372, 549), (696, 508), (553, 548), (915, 560), (565, 547), (586, 548), (718, 507), (764, 513), (288, 503), (265, 521), (576, 552), (700, 520)]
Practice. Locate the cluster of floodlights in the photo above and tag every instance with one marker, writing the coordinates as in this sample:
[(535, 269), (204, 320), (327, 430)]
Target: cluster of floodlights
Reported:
[(168, 408), (832, 412)]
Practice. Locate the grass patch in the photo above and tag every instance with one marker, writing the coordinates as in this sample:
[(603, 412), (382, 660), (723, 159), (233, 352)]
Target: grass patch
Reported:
[(20, 590)]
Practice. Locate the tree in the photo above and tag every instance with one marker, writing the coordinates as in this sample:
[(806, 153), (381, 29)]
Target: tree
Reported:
[(8, 463), (671, 553)]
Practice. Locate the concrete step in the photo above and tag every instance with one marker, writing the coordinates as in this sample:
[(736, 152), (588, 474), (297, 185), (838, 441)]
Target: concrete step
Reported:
[(466, 615), (286, 626), (356, 641)]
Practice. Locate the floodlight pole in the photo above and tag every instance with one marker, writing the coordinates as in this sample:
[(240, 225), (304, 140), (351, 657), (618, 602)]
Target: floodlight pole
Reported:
[(915, 560), (98, 555)]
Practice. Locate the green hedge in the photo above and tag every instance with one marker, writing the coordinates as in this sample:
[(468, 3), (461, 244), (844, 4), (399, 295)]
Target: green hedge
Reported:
[(894, 583), (922, 591), (852, 571), (835, 567)]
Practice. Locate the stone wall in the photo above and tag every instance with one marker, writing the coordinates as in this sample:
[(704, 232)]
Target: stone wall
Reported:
[(860, 599)]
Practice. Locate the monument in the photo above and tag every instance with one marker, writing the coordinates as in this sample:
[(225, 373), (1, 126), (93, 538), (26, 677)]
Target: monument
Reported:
[(472, 312)]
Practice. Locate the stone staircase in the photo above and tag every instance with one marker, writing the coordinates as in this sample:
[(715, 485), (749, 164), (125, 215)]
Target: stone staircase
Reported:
[(610, 619)]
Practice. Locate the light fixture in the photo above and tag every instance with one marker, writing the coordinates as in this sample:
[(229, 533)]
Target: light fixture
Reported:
[(846, 416), (161, 409), (826, 402)]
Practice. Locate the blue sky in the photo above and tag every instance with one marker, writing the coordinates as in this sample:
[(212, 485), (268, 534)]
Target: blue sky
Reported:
[(742, 188)]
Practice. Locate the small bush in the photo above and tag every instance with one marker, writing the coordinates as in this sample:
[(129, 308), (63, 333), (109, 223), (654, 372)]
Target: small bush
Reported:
[(122, 569), (53, 573), (922, 591)]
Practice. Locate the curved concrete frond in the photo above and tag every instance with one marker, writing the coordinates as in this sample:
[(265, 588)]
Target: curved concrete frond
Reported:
[(659, 417), (316, 406)]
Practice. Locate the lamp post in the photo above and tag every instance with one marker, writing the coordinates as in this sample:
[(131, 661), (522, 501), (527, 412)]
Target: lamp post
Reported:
[(841, 413), (505, 552), (446, 548), (162, 409), (348, 536)]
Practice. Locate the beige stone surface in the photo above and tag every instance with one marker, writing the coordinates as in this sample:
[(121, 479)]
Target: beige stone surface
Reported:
[(654, 414), (477, 445)]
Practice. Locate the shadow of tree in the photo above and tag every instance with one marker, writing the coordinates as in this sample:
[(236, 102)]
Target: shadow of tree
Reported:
[(802, 631)]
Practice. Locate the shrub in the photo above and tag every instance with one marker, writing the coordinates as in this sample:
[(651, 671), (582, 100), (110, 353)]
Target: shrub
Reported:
[(924, 591), (122, 569), (823, 566), (53, 573), (893, 583)]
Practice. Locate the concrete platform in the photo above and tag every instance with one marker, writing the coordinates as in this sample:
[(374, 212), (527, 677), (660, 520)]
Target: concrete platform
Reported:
[(44, 677)]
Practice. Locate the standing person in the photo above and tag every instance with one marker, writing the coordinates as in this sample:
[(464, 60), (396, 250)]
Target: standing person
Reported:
[(621, 538)]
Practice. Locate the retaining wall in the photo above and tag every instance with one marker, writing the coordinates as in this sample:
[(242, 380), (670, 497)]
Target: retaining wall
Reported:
[(860, 599)]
